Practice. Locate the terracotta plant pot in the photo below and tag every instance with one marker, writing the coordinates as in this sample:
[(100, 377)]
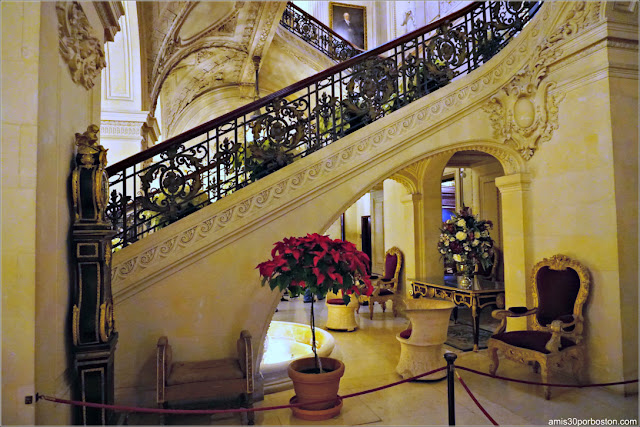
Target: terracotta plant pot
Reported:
[(310, 387)]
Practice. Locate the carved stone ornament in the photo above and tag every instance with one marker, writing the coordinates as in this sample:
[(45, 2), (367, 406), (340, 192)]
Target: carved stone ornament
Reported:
[(524, 113), (80, 49)]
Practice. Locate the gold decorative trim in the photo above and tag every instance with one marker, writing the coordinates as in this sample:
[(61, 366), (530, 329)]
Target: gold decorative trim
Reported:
[(75, 324), (85, 245), (106, 320), (80, 49), (90, 155), (562, 262)]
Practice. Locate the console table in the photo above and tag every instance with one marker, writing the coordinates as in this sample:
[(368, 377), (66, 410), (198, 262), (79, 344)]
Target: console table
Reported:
[(481, 294)]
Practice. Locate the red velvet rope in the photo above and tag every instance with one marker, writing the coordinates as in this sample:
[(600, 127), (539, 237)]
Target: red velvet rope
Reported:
[(547, 384), (219, 411), (291, 405), (486, 414), (360, 393)]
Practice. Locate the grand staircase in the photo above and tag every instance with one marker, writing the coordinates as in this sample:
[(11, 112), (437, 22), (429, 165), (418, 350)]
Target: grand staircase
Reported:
[(195, 214)]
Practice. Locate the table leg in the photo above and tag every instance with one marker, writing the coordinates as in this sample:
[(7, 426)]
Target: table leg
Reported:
[(475, 315)]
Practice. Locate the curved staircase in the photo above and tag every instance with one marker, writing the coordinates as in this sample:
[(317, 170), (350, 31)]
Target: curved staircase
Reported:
[(196, 213)]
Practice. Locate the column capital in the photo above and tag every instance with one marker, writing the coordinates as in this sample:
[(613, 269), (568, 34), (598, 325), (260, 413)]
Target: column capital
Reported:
[(514, 182), (411, 198)]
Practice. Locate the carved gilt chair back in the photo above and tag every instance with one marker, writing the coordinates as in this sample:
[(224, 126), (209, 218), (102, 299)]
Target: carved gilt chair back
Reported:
[(386, 287), (560, 290)]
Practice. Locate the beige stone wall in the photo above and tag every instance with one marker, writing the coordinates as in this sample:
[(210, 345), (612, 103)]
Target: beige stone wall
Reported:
[(583, 187), (20, 56), (42, 110), (625, 159), (571, 210), (399, 227)]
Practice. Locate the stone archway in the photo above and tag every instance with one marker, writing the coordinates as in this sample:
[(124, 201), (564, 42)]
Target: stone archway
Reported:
[(421, 179)]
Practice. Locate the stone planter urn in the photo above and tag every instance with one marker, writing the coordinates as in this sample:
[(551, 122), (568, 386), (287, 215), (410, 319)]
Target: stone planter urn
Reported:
[(421, 345)]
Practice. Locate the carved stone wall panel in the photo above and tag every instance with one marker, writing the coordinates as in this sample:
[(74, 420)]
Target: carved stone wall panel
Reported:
[(79, 47), (524, 113), (113, 128)]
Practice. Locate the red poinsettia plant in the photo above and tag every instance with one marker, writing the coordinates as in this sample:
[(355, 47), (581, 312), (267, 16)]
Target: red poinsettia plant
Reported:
[(317, 264)]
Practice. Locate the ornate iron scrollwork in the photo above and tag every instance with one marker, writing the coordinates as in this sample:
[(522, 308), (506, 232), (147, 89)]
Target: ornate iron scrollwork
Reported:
[(311, 31), (509, 15), (282, 129), (116, 209), (177, 182), (283, 125), (229, 153), (370, 87), (446, 52)]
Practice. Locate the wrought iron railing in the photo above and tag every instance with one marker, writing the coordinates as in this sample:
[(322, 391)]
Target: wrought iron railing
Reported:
[(181, 175), (314, 32)]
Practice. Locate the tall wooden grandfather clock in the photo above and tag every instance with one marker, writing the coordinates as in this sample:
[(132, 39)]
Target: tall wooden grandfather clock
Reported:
[(94, 337)]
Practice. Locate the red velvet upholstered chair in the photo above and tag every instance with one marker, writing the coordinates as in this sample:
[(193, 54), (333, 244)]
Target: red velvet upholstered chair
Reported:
[(209, 380), (560, 289), (386, 288)]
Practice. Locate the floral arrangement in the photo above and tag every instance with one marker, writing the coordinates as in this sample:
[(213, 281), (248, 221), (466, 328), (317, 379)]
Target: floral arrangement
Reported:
[(464, 239), (318, 264)]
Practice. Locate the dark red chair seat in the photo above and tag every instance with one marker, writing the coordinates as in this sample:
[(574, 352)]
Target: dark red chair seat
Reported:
[(405, 334), (532, 340), (336, 301), (385, 292)]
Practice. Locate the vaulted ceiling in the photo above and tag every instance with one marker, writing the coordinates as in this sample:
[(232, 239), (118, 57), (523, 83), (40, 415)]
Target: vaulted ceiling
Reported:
[(193, 48)]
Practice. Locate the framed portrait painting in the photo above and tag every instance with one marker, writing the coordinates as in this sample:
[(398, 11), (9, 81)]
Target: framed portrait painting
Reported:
[(350, 22)]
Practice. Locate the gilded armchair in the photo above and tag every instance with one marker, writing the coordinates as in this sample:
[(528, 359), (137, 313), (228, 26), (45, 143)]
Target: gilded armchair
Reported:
[(386, 288), (209, 380), (560, 289)]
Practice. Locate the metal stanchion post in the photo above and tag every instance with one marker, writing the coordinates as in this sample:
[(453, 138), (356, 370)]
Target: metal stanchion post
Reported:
[(450, 358)]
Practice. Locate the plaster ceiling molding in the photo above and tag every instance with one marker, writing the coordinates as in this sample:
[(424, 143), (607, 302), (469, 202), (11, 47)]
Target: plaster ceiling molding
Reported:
[(119, 129), (157, 21), (525, 112), (195, 21), (389, 144), (266, 25), (79, 48), (109, 13), (214, 103), (235, 25), (196, 75)]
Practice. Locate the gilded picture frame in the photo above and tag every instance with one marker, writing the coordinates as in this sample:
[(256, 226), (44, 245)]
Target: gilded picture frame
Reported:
[(353, 30)]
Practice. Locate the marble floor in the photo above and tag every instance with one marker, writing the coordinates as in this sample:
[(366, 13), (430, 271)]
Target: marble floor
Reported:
[(371, 354)]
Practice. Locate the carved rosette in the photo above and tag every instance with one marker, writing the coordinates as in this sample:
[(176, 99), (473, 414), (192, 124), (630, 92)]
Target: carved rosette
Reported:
[(524, 113), (81, 50)]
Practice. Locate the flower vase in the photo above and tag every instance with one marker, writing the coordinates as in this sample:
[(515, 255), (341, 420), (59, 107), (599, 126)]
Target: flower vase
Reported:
[(466, 273)]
